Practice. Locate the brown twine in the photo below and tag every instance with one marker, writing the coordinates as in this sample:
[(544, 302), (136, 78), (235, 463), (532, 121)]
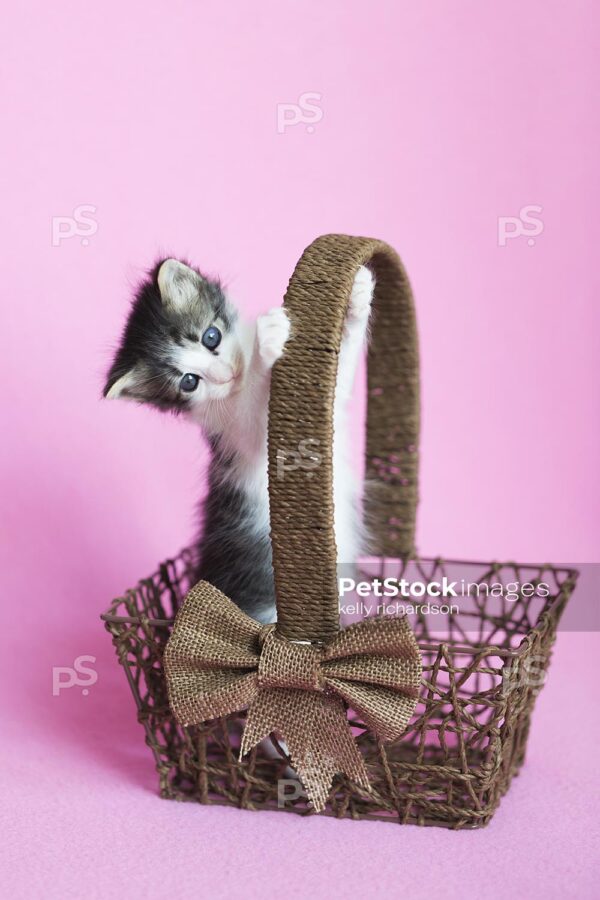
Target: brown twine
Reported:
[(301, 408)]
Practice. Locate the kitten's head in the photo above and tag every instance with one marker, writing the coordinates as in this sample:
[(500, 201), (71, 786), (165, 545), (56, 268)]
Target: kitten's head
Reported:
[(180, 349)]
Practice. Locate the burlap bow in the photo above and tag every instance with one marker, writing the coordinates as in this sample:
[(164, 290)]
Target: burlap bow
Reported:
[(218, 661)]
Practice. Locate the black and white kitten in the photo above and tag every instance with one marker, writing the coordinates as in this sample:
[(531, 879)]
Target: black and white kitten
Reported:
[(186, 349)]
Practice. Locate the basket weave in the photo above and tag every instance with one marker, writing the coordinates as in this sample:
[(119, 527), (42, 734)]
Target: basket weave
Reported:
[(467, 737)]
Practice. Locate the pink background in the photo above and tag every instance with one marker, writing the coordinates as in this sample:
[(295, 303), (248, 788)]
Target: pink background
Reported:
[(437, 119)]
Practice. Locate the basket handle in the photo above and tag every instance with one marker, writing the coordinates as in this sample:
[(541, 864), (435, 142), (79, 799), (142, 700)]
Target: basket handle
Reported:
[(301, 422)]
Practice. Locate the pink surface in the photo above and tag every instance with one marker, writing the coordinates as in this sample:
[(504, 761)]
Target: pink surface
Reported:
[(434, 121)]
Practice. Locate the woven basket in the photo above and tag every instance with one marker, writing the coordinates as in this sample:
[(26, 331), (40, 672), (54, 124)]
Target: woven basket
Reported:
[(482, 668)]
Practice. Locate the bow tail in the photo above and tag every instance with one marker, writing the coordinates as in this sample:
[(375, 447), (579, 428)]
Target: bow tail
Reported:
[(316, 731)]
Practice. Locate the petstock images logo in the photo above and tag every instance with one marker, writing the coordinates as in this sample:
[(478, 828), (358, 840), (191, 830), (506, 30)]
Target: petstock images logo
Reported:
[(491, 599)]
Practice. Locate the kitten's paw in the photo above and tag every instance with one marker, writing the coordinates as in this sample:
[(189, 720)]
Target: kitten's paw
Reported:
[(361, 297), (272, 331)]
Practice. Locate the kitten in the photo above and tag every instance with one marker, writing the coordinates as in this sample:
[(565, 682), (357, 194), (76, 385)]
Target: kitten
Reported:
[(185, 349)]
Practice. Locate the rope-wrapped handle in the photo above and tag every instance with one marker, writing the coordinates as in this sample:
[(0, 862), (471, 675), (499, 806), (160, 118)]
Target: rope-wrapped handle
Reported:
[(301, 423)]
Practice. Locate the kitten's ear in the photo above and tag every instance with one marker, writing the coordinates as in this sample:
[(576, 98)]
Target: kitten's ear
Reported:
[(178, 284), (127, 386)]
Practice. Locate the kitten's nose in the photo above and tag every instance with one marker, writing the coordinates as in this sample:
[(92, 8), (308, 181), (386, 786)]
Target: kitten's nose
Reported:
[(219, 372)]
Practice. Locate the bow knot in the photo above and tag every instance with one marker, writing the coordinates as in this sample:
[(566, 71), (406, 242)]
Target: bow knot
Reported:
[(219, 661), (289, 664)]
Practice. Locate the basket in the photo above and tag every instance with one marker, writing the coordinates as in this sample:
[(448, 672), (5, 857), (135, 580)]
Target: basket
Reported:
[(482, 666)]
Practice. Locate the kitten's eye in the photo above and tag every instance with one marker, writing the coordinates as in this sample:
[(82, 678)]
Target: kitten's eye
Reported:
[(211, 338), (189, 382)]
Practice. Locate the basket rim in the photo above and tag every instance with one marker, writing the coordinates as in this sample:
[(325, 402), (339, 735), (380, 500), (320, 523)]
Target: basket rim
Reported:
[(571, 575)]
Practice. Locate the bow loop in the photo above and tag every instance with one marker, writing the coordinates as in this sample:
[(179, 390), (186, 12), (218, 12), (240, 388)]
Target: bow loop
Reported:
[(219, 661)]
